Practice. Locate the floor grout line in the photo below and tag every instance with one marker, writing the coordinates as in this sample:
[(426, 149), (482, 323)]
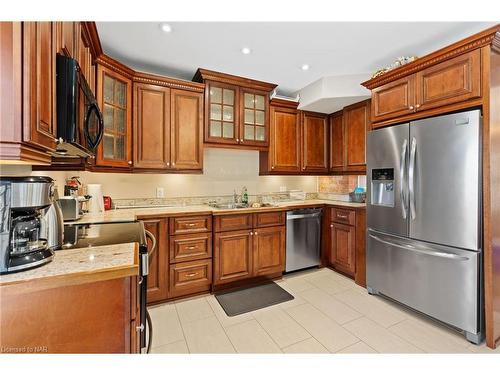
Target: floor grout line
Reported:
[(182, 328), (223, 328)]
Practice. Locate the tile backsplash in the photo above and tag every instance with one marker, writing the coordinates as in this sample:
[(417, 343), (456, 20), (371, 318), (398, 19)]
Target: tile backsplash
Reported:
[(340, 184)]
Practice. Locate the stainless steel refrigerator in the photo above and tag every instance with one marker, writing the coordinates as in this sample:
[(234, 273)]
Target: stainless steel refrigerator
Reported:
[(424, 218)]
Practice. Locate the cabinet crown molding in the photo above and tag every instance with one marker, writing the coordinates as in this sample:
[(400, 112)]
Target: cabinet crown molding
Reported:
[(202, 75), (481, 39), (284, 103)]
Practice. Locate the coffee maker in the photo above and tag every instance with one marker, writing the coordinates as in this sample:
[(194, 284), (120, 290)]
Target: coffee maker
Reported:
[(31, 224)]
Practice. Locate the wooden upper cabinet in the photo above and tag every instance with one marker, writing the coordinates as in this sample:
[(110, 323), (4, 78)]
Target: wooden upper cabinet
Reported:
[(393, 99), (337, 149), (356, 123), (314, 142), (151, 126), (254, 113), (221, 113), (284, 142), (269, 250), (186, 130), (66, 38), (233, 256), (452, 81), (114, 96), (39, 84)]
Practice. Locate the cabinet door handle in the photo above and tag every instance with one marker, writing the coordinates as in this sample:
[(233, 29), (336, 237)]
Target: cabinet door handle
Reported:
[(251, 233), (411, 107), (168, 164), (173, 164), (130, 162), (417, 106), (255, 233), (272, 167), (331, 225)]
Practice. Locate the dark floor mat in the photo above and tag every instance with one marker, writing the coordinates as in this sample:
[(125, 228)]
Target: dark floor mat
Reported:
[(250, 299)]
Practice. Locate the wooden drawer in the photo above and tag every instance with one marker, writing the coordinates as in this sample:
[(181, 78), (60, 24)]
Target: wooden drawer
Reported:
[(190, 277), (226, 223), (343, 216), (269, 219), (187, 247), (190, 224)]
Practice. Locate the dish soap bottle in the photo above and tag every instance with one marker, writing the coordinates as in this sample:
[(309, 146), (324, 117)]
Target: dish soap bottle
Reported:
[(244, 195)]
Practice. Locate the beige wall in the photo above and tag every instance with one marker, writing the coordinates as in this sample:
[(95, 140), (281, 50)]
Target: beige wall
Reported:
[(224, 171)]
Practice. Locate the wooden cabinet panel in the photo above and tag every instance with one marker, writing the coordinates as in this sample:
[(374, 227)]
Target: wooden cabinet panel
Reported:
[(233, 222), (39, 83), (285, 139), (151, 126), (66, 38), (190, 277), (189, 247), (393, 99), (254, 114), (343, 216), (314, 142), (337, 149), (114, 96), (269, 219), (452, 81), (221, 113), (190, 224), (356, 123), (342, 247), (93, 317), (186, 130), (269, 250), (232, 256), (158, 261)]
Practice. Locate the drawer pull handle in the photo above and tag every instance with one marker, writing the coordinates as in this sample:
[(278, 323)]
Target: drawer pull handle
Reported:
[(190, 224), (342, 216), (192, 247), (192, 274)]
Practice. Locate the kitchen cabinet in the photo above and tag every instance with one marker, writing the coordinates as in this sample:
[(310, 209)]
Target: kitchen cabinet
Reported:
[(39, 82), (452, 81), (248, 246), (356, 119), (284, 139), (190, 259), (345, 230), (80, 317), (314, 142), (236, 110), (158, 260), (66, 38), (114, 96), (186, 123), (337, 154), (151, 128)]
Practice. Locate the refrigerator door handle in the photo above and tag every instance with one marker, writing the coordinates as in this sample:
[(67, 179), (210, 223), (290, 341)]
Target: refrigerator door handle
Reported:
[(402, 170), (423, 252), (411, 177)]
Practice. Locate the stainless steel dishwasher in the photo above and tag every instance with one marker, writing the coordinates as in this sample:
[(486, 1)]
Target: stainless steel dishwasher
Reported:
[(303, 238)]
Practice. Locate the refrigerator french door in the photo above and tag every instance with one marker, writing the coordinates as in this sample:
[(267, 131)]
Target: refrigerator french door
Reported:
[(424, 216)]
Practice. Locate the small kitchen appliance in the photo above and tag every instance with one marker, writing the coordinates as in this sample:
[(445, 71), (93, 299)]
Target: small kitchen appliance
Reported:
[(31, 225)]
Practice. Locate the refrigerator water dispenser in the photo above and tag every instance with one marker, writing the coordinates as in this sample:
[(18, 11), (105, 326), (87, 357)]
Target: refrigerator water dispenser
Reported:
[(382, 187)]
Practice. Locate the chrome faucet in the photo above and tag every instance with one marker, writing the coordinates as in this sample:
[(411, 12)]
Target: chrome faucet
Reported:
[(235, 197)]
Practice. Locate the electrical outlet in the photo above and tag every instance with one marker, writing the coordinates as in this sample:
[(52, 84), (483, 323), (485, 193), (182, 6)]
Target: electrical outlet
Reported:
[(282, 188), (160, 192)]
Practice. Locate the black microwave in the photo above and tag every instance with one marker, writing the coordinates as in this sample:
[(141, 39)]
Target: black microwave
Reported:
[(80, 124)]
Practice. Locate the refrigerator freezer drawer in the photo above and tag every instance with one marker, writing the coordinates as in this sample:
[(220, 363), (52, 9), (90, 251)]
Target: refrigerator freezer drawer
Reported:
[(439, 281)]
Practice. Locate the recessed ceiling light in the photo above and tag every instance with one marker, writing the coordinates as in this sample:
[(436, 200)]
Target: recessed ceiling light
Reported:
[(165, 27), (246, 50), (305, 67)]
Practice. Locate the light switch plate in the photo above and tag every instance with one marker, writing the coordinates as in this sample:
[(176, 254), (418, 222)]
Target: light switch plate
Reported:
[(160, 192)]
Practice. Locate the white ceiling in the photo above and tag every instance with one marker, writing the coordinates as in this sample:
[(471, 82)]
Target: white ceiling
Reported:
[(279, 49)]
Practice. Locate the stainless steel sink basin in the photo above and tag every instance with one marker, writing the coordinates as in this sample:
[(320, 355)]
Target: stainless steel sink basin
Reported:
[(228, 206)]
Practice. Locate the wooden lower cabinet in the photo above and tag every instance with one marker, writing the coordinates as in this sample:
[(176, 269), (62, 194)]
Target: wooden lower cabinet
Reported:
[(233, 256), (158, 261), (190, 277), (342, 249), (92, 317), (269, 250)]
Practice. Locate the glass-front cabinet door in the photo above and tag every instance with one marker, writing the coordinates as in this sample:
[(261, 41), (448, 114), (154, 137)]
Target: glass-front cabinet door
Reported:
[(254, 118), (115, 102), (222, 114)]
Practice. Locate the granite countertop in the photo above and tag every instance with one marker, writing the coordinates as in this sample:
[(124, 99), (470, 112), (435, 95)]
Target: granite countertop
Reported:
[(131, 214), (86, 264)]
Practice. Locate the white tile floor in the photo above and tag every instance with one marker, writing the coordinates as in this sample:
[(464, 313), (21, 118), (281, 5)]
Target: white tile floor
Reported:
[(330, 313)]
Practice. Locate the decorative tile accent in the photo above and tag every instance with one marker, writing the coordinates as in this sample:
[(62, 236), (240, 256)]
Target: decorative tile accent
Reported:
[(337, 184)]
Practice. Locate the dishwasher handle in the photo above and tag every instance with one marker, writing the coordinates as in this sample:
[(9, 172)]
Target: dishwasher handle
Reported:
[(303, 216)]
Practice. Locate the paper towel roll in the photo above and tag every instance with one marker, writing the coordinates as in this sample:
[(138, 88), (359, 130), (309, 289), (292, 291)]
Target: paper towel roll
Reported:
[(96, 203)]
